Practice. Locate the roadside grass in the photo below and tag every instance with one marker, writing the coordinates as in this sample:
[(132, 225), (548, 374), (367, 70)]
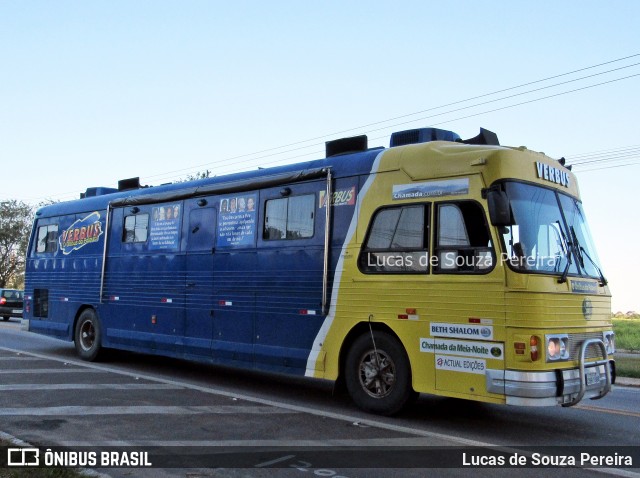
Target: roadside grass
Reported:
[(628, 366), (627, 339), (627, 334)]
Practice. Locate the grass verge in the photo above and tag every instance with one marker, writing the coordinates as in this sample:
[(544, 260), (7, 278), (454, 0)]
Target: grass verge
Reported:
[(628, 366), (627, 334)]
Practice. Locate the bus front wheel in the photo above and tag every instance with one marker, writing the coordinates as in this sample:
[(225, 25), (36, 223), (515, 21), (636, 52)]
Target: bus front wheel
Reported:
[(378, 374), (88, 336)]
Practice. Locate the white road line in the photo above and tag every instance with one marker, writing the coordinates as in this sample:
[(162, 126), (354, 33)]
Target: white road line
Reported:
[(272, 403), (18, 358), (88, 386), (332, 442), (48, 371), (141, 410), (457, 441), (273, 462)]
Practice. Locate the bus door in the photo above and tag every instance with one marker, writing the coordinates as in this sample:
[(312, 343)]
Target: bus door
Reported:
[(290, 273), (234, 288), (144, 281), (200, 234)]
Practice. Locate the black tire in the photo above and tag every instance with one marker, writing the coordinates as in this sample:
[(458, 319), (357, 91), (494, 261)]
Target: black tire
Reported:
[(5, 318), (88, 336), (379, 378)]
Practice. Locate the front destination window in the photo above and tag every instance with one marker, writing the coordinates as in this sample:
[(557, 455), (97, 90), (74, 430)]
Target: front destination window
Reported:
[(548, 234)]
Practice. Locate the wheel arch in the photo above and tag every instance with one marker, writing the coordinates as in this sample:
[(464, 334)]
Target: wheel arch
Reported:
[(79, 312), (359, 329)]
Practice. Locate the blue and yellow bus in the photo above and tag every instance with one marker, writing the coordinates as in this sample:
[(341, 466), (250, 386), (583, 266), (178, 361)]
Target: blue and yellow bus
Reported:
[(438, 265)]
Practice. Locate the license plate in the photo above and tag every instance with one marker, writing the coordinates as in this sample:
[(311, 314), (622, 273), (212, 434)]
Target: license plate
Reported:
[(17, 311), (592, 377)]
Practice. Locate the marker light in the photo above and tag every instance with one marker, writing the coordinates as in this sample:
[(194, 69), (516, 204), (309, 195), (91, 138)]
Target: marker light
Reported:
[(609, 339)]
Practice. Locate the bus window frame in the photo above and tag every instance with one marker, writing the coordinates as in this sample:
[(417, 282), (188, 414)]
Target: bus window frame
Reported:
[(426, 237), (436, 249), (263, 223), (53, 221)]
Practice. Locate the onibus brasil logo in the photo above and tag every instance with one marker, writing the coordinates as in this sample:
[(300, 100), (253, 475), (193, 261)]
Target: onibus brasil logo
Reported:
[(82, 232)]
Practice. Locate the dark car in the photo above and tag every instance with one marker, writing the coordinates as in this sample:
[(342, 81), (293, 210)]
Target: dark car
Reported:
[(11, 301)]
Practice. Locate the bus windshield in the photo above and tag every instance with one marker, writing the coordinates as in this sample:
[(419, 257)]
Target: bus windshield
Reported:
[(549, 233)]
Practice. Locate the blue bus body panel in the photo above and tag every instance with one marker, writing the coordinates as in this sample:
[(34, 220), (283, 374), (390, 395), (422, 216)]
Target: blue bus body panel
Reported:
[(204, 283)]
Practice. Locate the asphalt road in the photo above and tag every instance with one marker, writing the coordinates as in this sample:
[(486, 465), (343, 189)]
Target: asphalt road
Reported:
[(275, 426)]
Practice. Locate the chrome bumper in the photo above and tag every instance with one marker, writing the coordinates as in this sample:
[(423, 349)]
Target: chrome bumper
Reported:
[(560, 387)]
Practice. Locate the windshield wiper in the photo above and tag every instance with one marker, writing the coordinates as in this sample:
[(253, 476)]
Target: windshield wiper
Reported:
[(567, 251), (582, 252)]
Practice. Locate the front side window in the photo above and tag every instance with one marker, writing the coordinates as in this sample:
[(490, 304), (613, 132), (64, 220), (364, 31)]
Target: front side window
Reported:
[(289, 218), (47, 239), (463, 242), (580, 235), (397, 241), (136, 228)]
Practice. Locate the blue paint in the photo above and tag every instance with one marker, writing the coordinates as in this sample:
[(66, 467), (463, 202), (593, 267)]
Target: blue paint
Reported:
[(205, 283)]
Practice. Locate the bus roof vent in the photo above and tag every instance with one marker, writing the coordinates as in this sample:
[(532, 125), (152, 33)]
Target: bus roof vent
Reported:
[(422, 135), (485, 137), (128, 184), (99, 191), (354, 144)]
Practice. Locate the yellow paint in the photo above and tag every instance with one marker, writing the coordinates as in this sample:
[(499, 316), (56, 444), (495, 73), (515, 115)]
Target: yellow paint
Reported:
[(516, 305)]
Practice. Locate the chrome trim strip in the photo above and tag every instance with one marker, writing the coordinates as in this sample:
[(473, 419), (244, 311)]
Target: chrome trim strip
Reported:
[(327, 243), (104, 252)]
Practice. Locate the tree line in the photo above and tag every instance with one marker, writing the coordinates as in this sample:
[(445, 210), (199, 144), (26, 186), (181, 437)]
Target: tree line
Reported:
[(16, 218)]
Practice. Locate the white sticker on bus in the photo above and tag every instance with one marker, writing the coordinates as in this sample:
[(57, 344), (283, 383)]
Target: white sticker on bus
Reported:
[(460, 347), (461, 364), (463, 331)]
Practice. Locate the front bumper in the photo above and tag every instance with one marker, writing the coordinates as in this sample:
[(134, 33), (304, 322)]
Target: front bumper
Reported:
[(559, 387)]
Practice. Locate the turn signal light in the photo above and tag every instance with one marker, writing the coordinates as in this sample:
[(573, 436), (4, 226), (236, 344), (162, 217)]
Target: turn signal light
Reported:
[(533, 347)]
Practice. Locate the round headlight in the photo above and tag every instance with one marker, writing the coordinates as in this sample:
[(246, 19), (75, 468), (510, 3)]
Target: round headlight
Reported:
[(553, 348)]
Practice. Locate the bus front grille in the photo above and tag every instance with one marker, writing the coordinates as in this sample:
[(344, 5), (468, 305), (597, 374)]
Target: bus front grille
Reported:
[(575, 341)]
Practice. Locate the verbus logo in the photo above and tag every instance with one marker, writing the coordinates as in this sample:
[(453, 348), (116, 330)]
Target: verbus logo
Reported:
[(23, 457)]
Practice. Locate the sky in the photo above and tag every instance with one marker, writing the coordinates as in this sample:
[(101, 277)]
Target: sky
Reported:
[(93, 92)]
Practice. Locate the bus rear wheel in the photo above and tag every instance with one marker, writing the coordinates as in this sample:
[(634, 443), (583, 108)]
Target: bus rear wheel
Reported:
[(88, 336), (378, 374)]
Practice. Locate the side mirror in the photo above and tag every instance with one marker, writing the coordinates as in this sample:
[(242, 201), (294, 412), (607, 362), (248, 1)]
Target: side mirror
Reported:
[(499, 212)]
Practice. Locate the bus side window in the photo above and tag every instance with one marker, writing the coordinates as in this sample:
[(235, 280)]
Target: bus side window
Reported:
[(396, 242), (289, 218), (136, 228), (463, 243), (47, 239)]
